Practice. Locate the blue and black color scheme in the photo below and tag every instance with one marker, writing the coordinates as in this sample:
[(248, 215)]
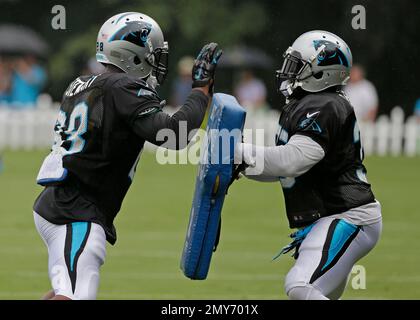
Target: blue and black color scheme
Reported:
[(212, 182), (339, 237), (331, 54), (76, 238), (205, 64), (298, 238), (134, 31), (310, 124)]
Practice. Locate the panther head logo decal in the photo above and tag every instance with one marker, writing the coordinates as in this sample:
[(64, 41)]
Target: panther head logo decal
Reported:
[(134, 31), (331, 54)]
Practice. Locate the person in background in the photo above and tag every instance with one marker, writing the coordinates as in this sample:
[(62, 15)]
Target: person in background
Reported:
[(28, 78), (251, 91), (416, 111), (182, 85), (5, 75), (362, 95)]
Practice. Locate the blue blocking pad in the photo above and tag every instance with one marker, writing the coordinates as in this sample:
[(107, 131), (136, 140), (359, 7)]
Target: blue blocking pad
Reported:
[(224, 130)]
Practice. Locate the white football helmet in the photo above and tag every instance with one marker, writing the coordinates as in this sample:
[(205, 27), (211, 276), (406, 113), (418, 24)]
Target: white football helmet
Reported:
[(317, 60), (134, 43)]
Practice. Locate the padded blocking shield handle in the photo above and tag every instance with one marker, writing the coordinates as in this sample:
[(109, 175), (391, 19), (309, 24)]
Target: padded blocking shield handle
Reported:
[(224, 130)]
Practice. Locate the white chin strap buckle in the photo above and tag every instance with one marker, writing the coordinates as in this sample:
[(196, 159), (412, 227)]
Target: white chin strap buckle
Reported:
[(286, 88), (152, 82)]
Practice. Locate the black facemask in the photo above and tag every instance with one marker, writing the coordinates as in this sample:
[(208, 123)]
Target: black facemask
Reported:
[(292, 67), (159, 63)]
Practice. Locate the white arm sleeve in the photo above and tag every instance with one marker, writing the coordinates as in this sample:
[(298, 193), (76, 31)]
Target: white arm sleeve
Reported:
[(291, 160)]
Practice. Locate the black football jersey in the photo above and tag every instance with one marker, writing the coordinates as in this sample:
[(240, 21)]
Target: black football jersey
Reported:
[(338, 182), (101, 149)]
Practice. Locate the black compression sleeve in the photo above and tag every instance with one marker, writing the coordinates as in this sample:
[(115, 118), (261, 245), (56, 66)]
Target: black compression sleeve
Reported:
[(179, 125)]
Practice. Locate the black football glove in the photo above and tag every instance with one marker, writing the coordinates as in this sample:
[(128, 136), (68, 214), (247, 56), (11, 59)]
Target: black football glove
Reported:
[(205, 66)]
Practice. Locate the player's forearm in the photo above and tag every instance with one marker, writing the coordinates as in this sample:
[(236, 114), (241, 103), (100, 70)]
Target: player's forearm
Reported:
[(190, 115), (291, 160)]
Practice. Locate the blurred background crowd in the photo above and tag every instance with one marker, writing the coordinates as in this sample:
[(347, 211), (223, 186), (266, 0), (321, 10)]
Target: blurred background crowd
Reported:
[(21, 81), (35, 58)]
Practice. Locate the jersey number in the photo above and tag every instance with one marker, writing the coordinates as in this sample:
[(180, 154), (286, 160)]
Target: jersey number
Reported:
[(74, 134)]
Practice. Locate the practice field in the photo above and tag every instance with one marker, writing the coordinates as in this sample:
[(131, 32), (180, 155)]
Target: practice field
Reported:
[(144, 263)]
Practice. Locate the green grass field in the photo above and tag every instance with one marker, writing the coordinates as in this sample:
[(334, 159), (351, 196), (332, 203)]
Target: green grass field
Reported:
[(144, 263)]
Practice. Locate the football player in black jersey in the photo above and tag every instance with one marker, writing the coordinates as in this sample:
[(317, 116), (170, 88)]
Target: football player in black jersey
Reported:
[(103, 123), (318, 159)]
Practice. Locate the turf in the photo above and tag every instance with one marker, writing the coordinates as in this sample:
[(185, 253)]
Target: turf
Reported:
[(144, 264)]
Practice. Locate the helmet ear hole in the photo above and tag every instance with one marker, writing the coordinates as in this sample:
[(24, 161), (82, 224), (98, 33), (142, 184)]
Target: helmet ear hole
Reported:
[(136, 60), (318, 75)]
